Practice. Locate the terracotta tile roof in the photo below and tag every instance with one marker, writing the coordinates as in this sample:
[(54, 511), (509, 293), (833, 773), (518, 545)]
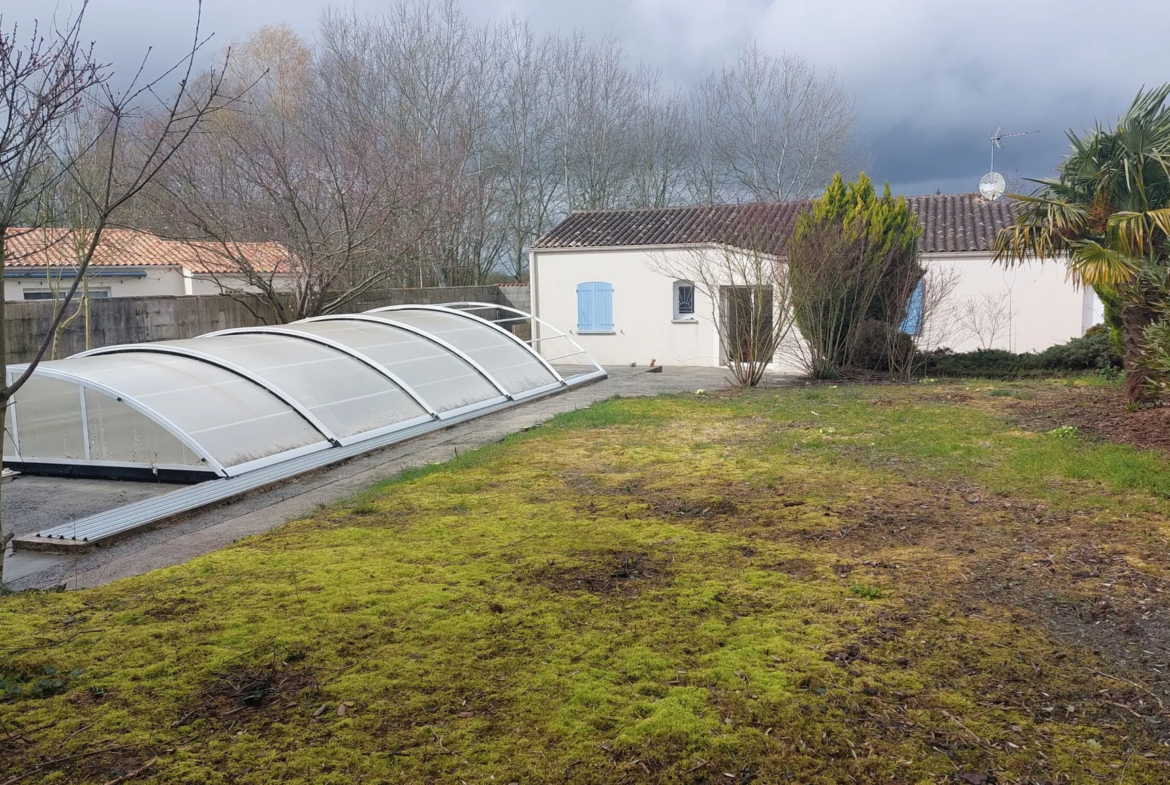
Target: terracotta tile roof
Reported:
[(762, 226), (266, 257), (132, 248), (952, 223), (961, 223)]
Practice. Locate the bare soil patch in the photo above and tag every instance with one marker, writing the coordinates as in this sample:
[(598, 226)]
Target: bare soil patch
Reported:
[(701, 509), (953, 546), (171, 609), (248, 692), (1099, 411), (624, 572), (979, 553)]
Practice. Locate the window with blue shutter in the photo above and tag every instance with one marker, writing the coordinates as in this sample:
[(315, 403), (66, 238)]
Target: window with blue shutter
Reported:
[(595, 307), (912, 324)]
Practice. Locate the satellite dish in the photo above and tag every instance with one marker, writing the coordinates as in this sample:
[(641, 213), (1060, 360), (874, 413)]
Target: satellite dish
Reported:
[(992, 186)]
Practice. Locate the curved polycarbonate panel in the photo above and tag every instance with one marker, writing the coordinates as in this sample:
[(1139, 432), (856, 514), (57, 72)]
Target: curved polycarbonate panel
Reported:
[(512, 364), (234, 402), (233, 419), (441, 378), (54, 406), (120, 434), (347, 396)]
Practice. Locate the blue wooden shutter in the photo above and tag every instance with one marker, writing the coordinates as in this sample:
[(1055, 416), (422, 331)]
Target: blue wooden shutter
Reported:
[(912, 324), (603, 307), (594, 307), (585, 301)]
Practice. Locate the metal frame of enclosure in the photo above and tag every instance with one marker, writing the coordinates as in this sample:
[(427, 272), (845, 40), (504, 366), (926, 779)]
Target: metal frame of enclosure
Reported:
[(237, 401)]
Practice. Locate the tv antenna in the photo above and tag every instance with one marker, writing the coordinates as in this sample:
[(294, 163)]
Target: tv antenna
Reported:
[(993, 185)]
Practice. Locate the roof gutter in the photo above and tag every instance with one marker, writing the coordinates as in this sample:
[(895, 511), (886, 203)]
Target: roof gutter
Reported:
[(61, 273), (926, 256)]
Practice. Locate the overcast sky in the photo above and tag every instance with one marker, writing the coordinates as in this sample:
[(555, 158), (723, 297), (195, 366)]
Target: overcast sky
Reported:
[(931, 78)]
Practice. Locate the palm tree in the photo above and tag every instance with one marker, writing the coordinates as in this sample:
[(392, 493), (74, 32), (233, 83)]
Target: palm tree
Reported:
[(1107, 214)]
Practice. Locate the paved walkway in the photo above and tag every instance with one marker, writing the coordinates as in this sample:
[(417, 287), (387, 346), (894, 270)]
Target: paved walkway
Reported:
[(205, 531)]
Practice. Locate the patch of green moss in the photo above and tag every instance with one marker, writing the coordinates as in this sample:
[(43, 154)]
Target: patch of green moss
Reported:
[(647, 590)]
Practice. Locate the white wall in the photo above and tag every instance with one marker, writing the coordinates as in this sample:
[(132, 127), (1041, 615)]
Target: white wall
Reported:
[(643, 307), (1038, 307), (206, 284), (1044, 309), (158, 281)]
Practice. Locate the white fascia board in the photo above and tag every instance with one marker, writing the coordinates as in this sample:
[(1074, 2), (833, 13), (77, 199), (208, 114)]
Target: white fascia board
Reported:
[(712, 246), (627, 248)]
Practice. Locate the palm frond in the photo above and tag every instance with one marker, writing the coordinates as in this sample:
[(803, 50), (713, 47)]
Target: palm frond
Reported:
[(1161, 219), (1092, 264), (1129, 232), (1108, 210)]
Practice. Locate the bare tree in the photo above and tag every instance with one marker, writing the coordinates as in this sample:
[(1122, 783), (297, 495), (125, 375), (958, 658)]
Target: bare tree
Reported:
[(660, 148), (705, 176), (941, 323), (524, 141), (52, 84), (987, 317), (68, 220), (487, 135), (427, 84), (933, 324), (596, 96), (290, 164), (748, 295), (776, 128)]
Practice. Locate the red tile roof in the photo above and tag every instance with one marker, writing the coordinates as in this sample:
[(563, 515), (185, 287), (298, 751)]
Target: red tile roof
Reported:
[(133, 248), (951, 223)]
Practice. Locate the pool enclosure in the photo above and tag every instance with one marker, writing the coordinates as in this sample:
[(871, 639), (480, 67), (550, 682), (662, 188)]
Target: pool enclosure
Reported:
[(229, 403)]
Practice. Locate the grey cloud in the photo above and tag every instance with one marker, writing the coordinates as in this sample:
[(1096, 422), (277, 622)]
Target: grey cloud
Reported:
[(930, 78)]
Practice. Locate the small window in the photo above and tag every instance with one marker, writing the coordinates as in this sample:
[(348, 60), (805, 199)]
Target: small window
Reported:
[(45, 294), (595, 307), (684, 301)]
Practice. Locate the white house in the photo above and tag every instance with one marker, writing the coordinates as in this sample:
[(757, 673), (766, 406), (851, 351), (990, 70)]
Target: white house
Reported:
[(127, 263), (599, 276)]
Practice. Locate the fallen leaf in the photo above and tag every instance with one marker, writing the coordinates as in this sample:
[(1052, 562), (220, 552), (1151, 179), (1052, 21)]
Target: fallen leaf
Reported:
[(466, 715)]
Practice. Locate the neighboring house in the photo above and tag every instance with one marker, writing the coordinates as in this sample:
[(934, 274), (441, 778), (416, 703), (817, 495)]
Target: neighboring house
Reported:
[(597, 275), (127, 263)]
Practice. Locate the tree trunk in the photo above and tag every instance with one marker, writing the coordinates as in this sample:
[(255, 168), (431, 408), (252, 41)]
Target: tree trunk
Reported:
[(5, 536), (3, 388), (1135, 317)]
